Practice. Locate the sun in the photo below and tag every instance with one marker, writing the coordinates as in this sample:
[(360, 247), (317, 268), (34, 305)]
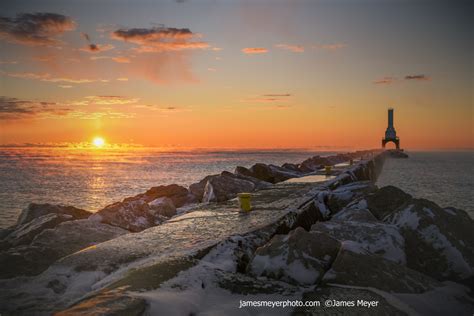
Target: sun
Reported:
[(98, 142)]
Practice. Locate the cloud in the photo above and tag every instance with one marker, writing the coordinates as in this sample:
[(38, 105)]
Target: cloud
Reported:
[(278, 95), (385, 80), (269, 98), (121, 59), (122, 79), (292, 48), (6, 62), (110, 100), (254, 50), (64, 86), (35, 29), (46, 77), (331, 47), (17, 109), (417, 77), (94, 48), (160, 39)]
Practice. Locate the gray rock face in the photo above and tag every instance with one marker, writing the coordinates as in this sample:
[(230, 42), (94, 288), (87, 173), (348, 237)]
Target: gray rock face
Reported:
[(178, 194), (162, 206), (299, 257), (36, 210), (314, 163), (365, 270), (23, 234), (439, 242), (222, 188), (355, 211), (53, 244), (386, 200), (344, 194), (133, 215), (373, 238), (267, 173)]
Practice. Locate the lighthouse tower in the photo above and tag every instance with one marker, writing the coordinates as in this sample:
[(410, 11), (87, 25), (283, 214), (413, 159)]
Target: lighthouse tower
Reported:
[(390, 133)]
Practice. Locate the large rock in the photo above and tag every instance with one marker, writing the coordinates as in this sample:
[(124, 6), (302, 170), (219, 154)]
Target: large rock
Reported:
[(53, 244), (23, 234), (223, 188), (267, 173), (374, 238), (386, 200), (365, 270), (314, 163), (36, 210), (344, 194), (178, 194), (439, 242), (299, 257), (227, 186), (356, 211), (162, 206)]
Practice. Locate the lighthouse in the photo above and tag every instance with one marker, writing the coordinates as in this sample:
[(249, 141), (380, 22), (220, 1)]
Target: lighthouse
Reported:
[(390, 133)]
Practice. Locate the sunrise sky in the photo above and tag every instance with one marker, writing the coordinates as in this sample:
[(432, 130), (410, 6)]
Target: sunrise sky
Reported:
[(233, 74)]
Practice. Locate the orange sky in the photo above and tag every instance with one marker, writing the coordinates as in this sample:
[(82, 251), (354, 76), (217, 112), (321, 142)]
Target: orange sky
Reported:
[(219, 75)]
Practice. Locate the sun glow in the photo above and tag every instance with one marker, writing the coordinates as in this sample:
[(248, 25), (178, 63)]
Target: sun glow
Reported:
[(98, 142)]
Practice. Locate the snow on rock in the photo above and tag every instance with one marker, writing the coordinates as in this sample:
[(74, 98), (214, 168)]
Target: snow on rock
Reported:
[(376, 238), (225, 187), (344, 194), (268, 173), (437, 242), (53, 244), (299, 257), (36, 210), (162, 206), (358, 269), (23, 234), (356, 211)]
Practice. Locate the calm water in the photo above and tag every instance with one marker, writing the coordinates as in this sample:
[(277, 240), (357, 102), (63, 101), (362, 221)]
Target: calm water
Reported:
[(91, 179), (446, 178)]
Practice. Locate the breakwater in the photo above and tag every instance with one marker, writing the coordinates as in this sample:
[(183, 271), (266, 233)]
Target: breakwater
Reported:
[(304, 239)]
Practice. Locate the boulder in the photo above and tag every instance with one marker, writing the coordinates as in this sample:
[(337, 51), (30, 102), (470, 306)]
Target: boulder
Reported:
[(178, 194), (344, 194), (365, 270), (439, 242), (267, 173), (374, 238), (314, 163), (223, 188), (299, 257), (23, 234), (291, 166), (355, 211), (162, 206), (386, 200), (36, 210), (197, 189), (53, 244)]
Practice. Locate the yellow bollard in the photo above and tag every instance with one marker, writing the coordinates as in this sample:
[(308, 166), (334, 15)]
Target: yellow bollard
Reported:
[(244, 202), (328, 170)]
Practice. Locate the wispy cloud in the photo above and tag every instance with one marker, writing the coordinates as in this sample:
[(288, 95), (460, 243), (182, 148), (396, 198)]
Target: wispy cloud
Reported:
[(35, 29), (292, 48), (47, 77), (417, 77), (330, 47), (17, 109), (110, 100), (160, 39), (385, 80), (94, 48), (277, 95), (121, 59), (254, 50), (269, 98)]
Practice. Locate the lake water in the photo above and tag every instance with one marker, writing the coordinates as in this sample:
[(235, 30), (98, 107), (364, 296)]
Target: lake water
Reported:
[(446, 178), (91, 179)]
